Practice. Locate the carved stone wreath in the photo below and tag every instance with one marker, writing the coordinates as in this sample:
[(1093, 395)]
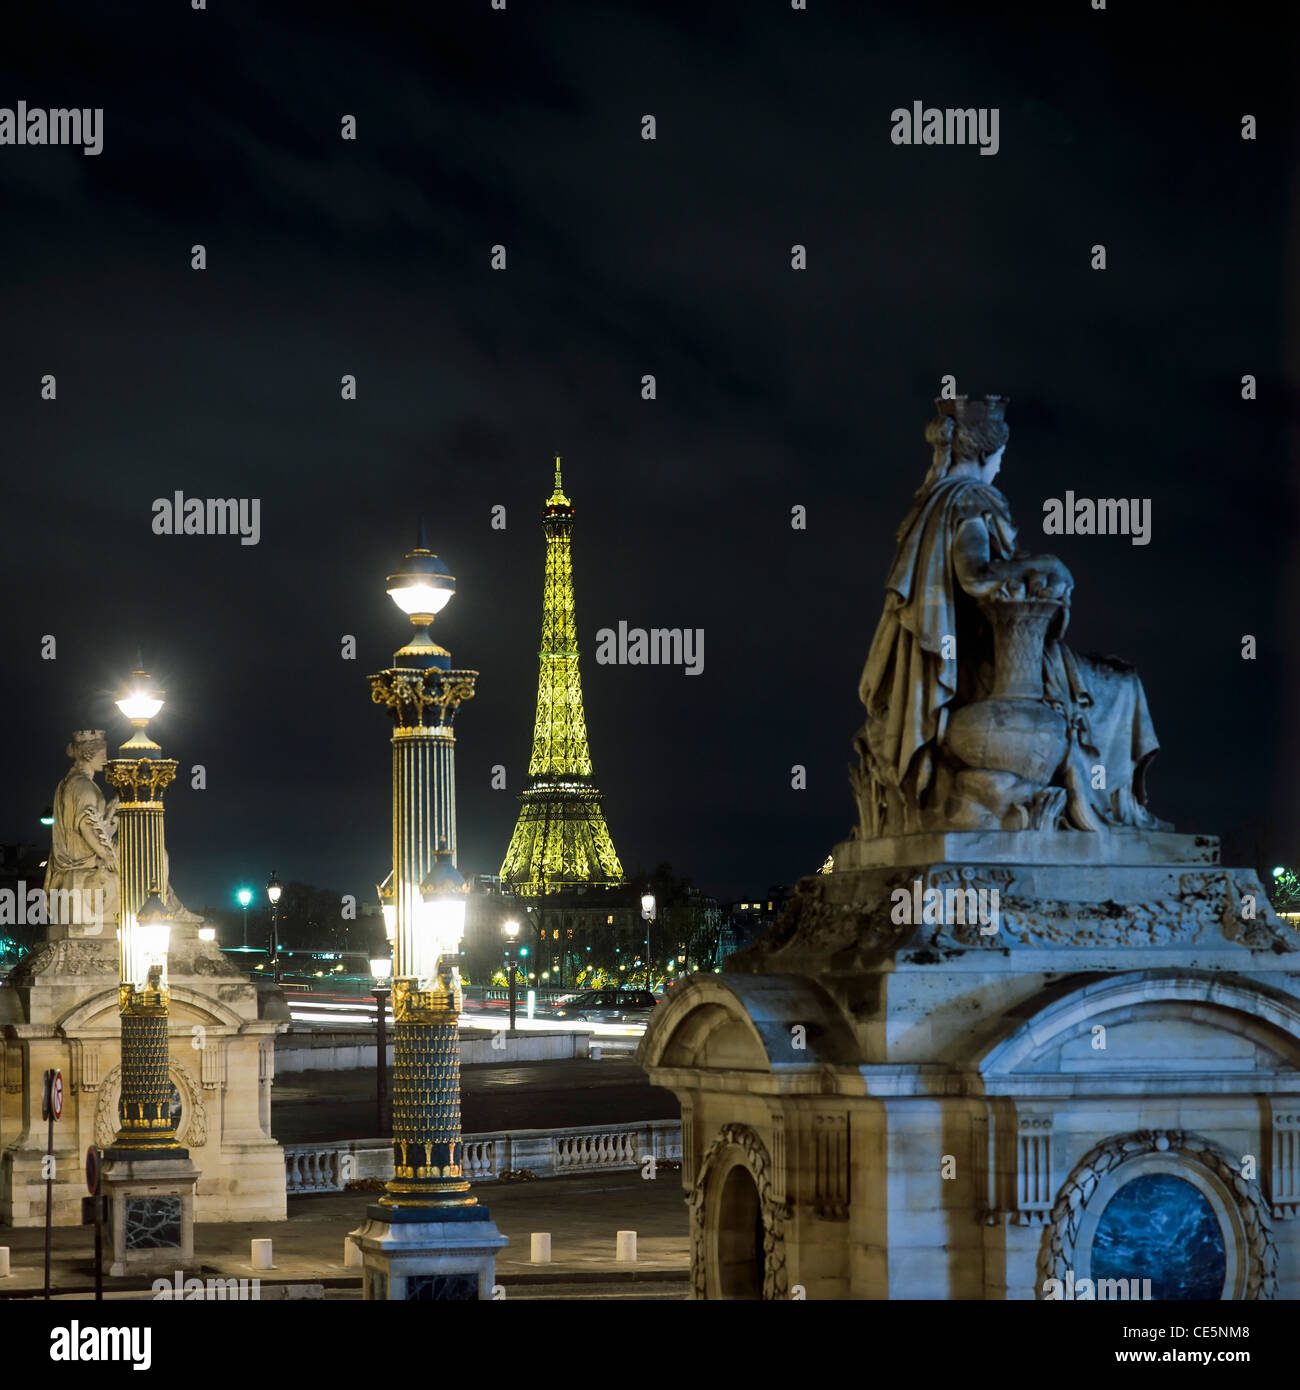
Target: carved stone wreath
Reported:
[(1057, 1254), (193, 1132), (774, 1214)]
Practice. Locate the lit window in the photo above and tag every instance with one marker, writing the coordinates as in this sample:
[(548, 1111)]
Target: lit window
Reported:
[(609, 921)]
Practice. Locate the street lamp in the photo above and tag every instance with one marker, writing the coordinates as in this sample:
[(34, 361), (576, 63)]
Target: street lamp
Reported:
[(146, 1129), (387, 909), (273, 890), (444, 896), (245, 896), (426, 1238), (648, 910), (143, 932), (422, 587), (47, 816), (512, 934), (381, 968)]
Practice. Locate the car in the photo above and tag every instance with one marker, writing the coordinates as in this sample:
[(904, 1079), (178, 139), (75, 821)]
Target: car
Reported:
[(607, 1006)]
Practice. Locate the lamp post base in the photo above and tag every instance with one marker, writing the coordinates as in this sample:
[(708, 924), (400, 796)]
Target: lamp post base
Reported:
[(151, 1210), (429, 1255)]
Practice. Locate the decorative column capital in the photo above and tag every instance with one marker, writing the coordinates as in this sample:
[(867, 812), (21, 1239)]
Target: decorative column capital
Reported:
[(441, 1004), (409, 694), (143, 1003), (142, 778)]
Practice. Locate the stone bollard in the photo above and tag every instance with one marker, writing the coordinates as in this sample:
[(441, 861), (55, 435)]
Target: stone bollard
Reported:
[(4, 1262), (626, 1245), (541, 1248), (260, 1257), (352, 1255)]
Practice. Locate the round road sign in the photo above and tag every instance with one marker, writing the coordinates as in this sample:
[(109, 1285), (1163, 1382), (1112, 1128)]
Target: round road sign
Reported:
[(92, 1171), (56, 1094)]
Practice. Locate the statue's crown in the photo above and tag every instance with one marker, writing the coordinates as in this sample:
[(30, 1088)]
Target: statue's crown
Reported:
[(973, 412), (88, 736)]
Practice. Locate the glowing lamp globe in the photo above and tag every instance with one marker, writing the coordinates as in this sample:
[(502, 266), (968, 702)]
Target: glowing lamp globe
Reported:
[(274, 888), (245, 896), (381, 967), (149, 940), (139, 704), (440, 918), (512, 930), (422, 587)]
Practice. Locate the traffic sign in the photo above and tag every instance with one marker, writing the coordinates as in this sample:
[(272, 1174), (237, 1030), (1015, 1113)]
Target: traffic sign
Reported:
[(56, 1095), (92, 1170)]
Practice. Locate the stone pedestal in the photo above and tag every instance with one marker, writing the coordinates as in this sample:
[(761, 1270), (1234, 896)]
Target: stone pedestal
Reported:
[(940, 1067), (59, 1008), (151, 1213), (409, 1258)]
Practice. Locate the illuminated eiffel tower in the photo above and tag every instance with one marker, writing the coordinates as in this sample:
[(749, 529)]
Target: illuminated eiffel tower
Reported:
[(561, 841)]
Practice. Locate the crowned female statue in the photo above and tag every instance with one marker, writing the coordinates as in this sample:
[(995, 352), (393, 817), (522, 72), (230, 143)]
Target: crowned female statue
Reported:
[(83, 854), (978, 714)]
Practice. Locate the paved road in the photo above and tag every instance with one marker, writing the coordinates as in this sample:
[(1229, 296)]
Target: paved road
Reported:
[(316, 1107), (583, 1212)]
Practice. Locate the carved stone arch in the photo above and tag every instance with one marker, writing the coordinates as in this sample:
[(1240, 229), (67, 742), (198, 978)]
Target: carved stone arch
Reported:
[(193, 1131), (1097, 1176), (754, 1157)]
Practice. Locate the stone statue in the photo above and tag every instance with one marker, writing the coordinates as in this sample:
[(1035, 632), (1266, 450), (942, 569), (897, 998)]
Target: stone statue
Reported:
[(83, 855), (978, 714)]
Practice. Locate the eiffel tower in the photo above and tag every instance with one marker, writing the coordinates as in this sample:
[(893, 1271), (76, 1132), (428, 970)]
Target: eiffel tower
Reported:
[(561, 841)]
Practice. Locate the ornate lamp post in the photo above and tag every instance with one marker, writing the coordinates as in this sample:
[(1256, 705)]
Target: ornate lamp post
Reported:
[(245, 896), (512, 933), (648, 914), (148, 1231), (426, 1238), (381, 971), (273, 890)]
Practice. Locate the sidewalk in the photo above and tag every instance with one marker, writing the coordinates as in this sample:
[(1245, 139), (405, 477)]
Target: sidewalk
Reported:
[(582, 1212)]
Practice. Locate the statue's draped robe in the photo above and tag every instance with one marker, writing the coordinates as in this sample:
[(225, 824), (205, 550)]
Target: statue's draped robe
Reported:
[(908, 686), (83, 856)]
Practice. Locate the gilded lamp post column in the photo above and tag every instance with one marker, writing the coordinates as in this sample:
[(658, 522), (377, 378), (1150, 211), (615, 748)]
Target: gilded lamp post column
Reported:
[(140, 773), (422, 694)]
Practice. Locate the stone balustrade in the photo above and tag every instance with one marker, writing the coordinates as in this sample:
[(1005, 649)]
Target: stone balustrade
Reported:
[(545, 1152)]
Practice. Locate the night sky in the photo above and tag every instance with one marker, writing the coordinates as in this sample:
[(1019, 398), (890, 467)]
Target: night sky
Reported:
[(776, 388)]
